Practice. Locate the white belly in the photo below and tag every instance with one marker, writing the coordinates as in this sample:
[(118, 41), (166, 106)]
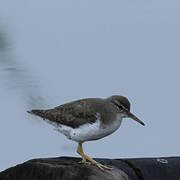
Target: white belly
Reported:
[(88, 132)]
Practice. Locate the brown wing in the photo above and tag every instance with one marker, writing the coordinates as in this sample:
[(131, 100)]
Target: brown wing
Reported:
[(71, 114)]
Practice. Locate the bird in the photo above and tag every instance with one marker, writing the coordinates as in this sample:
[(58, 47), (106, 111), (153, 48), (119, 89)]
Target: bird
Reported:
[(88, 119)]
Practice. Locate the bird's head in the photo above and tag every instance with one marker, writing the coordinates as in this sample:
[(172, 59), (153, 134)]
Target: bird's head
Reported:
[(123, 105)]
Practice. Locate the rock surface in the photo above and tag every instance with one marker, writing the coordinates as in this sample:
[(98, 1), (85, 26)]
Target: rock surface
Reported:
[(68, 168), (63, 168)]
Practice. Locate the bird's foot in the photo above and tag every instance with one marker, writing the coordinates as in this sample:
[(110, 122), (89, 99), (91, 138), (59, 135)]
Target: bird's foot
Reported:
[(99, 165), (86, 158), (102, 167), (83, 161)]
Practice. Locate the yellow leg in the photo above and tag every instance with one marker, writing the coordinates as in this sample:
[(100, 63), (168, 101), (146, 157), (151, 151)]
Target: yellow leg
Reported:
[(81, 153), (85, 158)]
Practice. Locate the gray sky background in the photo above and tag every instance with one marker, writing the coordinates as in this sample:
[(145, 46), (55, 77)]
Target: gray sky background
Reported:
[(58, 51)]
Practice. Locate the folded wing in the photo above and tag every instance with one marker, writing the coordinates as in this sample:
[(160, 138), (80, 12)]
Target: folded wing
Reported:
[(73, 114)]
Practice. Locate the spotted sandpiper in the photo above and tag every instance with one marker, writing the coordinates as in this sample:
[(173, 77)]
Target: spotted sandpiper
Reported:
[(88, 119)]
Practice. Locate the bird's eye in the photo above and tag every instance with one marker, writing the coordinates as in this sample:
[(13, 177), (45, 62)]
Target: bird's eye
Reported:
[(119, 106), (123, 108)]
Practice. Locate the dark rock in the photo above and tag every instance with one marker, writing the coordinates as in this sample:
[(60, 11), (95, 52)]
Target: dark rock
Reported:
[(63, 168), (68, 168)]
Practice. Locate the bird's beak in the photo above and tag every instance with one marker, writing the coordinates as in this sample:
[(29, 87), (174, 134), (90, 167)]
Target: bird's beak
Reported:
[(132, 116)]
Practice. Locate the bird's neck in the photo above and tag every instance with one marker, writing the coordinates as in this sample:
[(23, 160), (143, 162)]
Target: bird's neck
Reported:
[(119, 116)]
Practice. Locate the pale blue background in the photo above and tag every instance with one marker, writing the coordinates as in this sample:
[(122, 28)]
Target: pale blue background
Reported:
[(53, 52)]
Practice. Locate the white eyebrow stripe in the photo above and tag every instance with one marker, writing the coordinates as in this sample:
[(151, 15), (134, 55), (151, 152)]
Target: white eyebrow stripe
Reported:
[(120, 105)]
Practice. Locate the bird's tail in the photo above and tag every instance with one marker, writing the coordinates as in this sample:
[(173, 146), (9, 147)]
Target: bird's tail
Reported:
[(40, 113)]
